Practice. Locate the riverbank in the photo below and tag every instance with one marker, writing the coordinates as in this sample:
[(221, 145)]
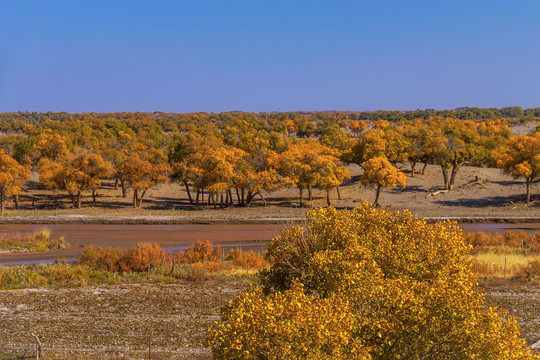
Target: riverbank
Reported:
[(232, 220)]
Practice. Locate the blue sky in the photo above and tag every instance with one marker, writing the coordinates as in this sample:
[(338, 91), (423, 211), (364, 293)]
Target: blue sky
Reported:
[(267, 55)]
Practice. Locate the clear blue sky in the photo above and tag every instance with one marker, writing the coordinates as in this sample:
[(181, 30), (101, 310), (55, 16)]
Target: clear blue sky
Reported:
[(267, 55)]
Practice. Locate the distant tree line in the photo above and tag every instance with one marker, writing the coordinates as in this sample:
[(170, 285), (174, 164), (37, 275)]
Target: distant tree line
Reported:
[(175, 121), (235, 158)]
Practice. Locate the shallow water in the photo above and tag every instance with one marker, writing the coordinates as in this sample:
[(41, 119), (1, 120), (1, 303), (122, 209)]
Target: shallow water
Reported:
[(174, 237)]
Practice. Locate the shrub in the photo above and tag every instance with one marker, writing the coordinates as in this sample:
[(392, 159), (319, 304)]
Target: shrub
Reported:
[(199, 252), (246, 260), (410, 286), (288, 325), (482, 269), (139, 258), (514, 239), (39, 241), (104, 259), (142, 257), (196, 272), (528, 272)]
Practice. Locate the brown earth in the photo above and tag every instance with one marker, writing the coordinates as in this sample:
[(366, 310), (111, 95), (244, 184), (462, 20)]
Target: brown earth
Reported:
[(479, 192), (126, 321)]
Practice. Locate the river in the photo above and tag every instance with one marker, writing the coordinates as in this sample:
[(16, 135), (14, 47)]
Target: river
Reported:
[(174, 237)]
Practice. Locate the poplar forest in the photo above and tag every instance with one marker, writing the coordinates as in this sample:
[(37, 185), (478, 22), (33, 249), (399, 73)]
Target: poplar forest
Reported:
[(358, 274)]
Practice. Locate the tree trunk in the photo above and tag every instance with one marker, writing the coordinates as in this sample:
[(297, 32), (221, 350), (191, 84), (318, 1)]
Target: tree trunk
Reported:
[(261, 195), (309, 193), (238, 198), (16, 200), (424, 168), (528, 182), (188, 192), (135, 198), (94, 195), (301, 196), (197, 198), (230, 198), (250, 197), (116, 181), (78, 200), (445, 177), (73, 199), (455, 169), (328, 197), (376, 203), (338, 193), (2, 202), (413, 166), (124, 188), (141, 197), (202, 196)]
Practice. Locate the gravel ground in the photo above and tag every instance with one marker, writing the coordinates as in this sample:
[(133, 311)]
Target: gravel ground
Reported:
[(126, 321)]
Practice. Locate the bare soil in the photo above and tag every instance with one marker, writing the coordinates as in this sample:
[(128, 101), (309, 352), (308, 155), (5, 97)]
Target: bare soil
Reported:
[(480, 193), (126, 321)]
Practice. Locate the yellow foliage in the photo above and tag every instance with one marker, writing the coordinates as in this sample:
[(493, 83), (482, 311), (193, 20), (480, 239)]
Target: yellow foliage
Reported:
[(287, 325), (378, 171), (521, 158), (12, 177), (405, 288), (308, 163), (74, 173)]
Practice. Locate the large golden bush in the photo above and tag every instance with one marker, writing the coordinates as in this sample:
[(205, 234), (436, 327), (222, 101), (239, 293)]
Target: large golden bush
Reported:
[(407, 287)]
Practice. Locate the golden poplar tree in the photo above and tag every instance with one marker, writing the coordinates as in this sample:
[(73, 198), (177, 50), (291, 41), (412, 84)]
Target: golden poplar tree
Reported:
[(521, 159), (379, 172), (12, 177)]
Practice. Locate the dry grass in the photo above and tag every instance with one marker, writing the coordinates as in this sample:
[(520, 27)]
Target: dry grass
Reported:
[(494, 263), (39, 241)]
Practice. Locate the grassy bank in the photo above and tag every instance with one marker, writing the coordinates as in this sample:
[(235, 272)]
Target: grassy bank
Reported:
[(38, 241)]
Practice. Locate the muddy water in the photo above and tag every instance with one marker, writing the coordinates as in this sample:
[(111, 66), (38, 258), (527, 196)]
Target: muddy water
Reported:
[(175, 237), (170, 237)]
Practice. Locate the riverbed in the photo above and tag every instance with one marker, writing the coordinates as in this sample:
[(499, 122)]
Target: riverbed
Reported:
[(177, 237)]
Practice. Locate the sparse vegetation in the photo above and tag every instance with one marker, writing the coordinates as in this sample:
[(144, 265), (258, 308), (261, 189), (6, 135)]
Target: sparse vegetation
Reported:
[(510, 256), (38, 241), (145, 262)]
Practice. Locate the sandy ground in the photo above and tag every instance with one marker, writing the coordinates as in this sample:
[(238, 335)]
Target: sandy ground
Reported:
[(498, 195), (124, 321)]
